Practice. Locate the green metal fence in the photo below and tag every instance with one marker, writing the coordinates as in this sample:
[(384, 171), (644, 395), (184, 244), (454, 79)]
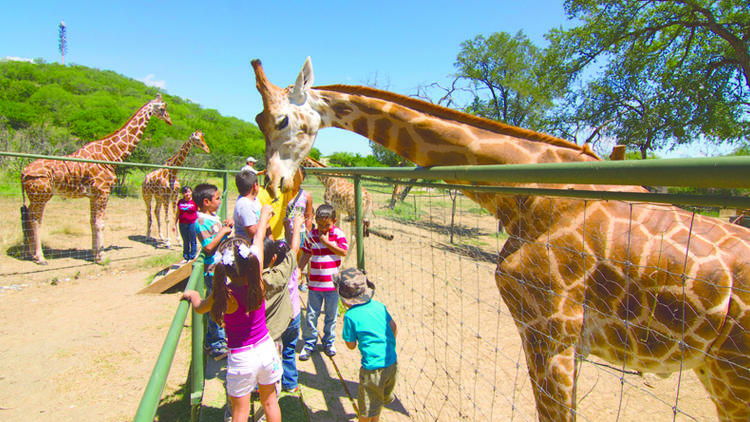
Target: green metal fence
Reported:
[(730, 172)]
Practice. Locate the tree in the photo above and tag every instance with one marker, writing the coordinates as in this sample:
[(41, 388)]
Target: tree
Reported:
[(665, 72), (510, 79), (384, 155)]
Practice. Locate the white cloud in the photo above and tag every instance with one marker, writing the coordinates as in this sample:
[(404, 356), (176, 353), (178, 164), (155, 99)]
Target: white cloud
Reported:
[(150, 81), (16, 59)]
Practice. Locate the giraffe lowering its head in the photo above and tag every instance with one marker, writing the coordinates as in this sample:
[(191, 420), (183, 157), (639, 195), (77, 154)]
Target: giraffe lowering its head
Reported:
[(649, 287), (42, 178), (162, 185)]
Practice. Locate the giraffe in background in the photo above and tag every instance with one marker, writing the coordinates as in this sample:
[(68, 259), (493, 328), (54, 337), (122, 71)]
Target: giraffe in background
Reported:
[(42, 179), (650, 287), (339, 192), (162, 185)]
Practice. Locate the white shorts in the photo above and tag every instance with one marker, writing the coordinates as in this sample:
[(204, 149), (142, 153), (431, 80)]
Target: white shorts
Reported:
[(249, 365)]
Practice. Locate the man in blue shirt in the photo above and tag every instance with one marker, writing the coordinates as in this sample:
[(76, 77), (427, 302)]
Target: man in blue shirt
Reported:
[(368, 324)]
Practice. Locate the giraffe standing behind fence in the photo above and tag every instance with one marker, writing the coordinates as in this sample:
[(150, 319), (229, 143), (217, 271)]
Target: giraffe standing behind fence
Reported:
[(162, 185), (653, 288), (42, 179)]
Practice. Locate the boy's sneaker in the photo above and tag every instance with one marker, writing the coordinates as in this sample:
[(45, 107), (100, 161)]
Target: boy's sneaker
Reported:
[(330, 350), (305, 354), (218, 353), (290, 390)]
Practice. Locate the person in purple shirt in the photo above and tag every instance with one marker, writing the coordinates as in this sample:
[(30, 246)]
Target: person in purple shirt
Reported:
[(187, 213), (241, 307)]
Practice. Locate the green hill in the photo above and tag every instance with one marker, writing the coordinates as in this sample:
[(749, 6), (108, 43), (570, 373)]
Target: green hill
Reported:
[(55, 109)]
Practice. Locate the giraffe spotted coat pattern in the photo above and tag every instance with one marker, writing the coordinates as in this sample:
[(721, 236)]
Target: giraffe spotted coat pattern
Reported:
[(42, 179), (649, 287)]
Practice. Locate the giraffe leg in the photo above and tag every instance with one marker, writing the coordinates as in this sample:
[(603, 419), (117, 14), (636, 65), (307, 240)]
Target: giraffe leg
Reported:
[(98, 207), (549, 335), (352, 240), (147, 200), (35, 213), (167, 224), (726, 376), (157, 215), (553, 379)]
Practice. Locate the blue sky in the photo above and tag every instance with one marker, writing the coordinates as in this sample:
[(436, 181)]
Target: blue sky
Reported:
[(202, 50)]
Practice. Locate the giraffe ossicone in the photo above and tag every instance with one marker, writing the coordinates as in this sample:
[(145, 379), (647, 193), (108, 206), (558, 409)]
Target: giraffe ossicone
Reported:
[(42, 179), (162, 185), (649, 287)]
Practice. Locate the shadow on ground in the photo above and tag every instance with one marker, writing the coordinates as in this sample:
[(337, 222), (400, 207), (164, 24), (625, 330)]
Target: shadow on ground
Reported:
[(18, 251)]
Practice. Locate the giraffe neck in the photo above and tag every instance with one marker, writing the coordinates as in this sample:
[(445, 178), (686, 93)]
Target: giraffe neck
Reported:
[(327, 181), (429, 135), (179, 158), (119, 145), (432, 135)]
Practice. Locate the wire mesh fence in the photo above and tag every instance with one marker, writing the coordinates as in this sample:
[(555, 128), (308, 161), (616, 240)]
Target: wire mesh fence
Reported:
[(66, 228), (460, 353)]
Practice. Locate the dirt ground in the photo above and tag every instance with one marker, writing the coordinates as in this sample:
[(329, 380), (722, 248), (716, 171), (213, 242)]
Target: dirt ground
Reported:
[(79, 344)]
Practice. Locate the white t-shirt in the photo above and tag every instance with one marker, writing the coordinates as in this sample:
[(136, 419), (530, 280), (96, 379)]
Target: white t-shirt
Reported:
[(246, 214), (248, 168)]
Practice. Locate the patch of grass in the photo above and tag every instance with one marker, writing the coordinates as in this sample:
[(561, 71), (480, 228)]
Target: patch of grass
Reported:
[(402, 211), (478, 210), (162, 260), (500, 235), (69, 230)]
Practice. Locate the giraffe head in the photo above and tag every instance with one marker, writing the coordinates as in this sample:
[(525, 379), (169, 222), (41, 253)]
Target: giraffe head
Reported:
[(288, 122), (159, 109), (196, 140)]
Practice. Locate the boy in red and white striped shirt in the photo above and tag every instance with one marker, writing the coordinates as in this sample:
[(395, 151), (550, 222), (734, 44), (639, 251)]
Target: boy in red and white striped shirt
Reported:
[(324, 248)]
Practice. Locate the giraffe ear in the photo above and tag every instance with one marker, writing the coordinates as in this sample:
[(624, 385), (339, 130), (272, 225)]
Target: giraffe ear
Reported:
[(302, 84)]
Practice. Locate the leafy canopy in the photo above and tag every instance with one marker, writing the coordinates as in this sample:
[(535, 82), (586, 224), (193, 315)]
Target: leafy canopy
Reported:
[(660, 73)]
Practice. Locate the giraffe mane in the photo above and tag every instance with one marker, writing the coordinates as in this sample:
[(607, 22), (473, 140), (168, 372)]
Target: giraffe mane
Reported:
[(447, 113)]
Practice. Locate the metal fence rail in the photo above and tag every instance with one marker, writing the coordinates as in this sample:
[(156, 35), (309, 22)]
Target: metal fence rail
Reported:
[(730, 172)]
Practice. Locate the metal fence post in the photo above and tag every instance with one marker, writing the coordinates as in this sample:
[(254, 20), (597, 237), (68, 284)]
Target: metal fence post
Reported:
[(358, 222)]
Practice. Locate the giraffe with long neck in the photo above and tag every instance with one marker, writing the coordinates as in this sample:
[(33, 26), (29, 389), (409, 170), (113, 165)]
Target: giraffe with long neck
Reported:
[(652, 288), (162, 185), (42, 179)]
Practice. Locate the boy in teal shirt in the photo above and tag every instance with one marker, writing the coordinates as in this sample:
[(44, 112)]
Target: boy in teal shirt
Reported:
[(368, 324), (210, 231)]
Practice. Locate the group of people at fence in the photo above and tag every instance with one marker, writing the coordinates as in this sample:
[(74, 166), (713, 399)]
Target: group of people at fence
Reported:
[(255, 267)]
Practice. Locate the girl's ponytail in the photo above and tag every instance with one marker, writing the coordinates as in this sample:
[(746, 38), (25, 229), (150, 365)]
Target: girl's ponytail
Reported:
[(220, 294), (238, 261)]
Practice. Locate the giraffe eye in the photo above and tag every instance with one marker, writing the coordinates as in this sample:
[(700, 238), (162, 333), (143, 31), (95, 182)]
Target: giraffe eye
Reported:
[(283, 123)]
